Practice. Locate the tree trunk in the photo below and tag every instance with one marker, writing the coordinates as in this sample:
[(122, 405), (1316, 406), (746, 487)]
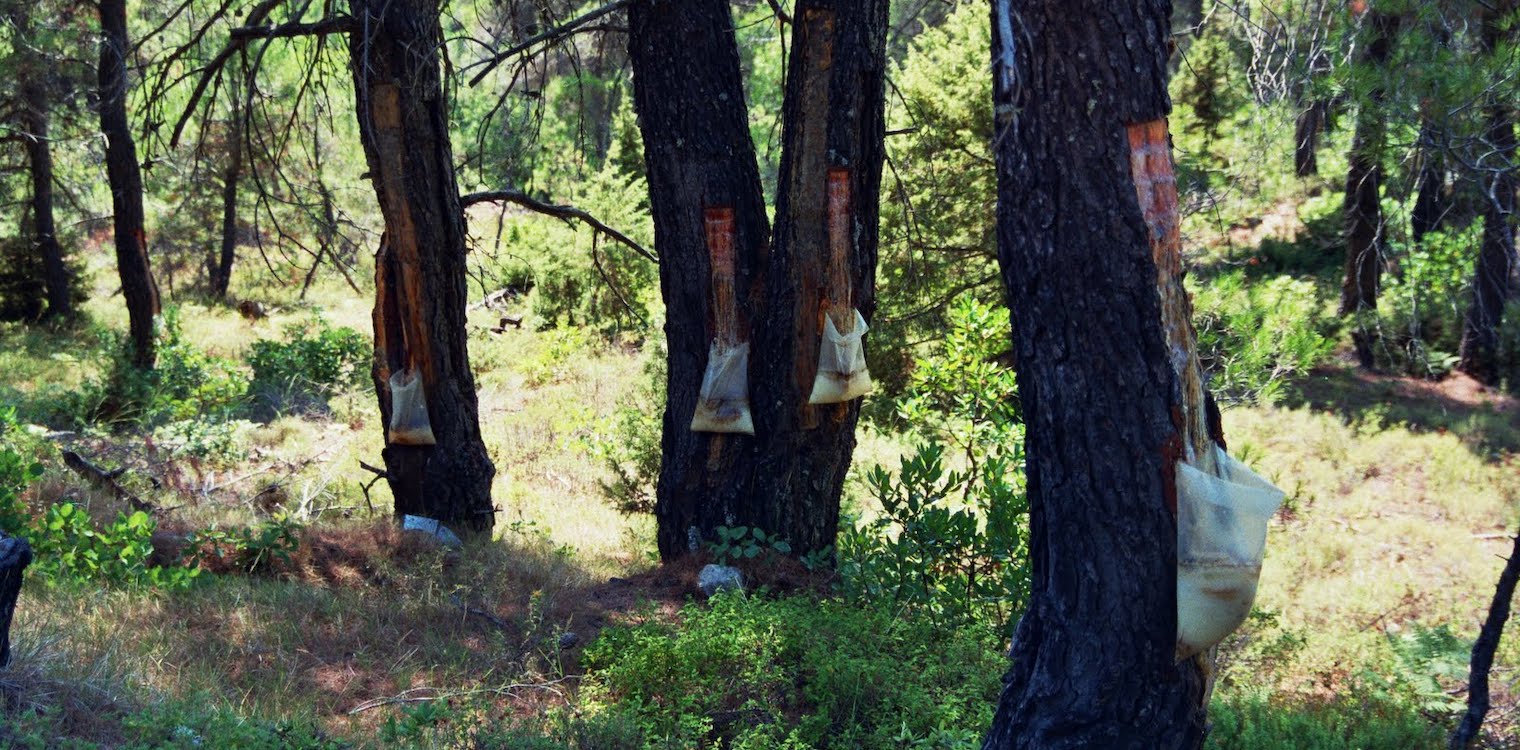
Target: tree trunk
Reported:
[(137, 284), (1431, 203), (15, 555), (1310, 123), (39, 153), (420, 285), (1363, 207), (698, 154), (833, 124), (1496, 256), (221, 271), (787, 479), (1091, 255)]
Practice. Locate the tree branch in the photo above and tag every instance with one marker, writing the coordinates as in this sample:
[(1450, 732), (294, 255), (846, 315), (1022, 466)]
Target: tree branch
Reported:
[(334, 25), (559, 212), (563, 30)]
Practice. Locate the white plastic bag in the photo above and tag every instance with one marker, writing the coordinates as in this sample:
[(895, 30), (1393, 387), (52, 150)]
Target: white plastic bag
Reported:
[(723, 405), (1221, 533), (409, 414), (842, 374)]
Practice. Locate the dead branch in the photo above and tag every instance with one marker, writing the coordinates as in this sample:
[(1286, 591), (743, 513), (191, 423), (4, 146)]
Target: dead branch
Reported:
[(565, 213), (106, 480), (1483, 653), (334, 25), (563, 30)]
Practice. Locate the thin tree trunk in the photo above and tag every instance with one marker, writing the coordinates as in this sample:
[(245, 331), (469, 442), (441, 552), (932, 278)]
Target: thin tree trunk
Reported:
[(1306, 130), (1091, 256), (1479, 352), (699, 156), (15, 556), (39, 153), (420, 284), (1363, 207), (1483, 652), (833, 121), (137, 284), (221, 277), (1431, 203)]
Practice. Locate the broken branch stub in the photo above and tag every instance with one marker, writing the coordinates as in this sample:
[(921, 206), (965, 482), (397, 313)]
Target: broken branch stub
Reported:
[(723, 402)]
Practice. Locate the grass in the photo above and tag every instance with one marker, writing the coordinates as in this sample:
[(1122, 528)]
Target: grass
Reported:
[(1398, 498)]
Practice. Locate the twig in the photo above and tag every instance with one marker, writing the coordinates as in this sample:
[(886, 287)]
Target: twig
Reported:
[(569, 27), (560, 212), (106, 480), (1483, 653)]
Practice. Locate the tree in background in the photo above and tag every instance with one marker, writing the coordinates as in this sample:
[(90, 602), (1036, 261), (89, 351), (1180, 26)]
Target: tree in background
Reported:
[(1496, 260), (1091, 256), (137, 284)]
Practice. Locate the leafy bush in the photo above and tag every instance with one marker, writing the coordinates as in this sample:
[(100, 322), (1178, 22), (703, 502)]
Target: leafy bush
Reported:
[(186, 383), (1421, 308), (744, 543), (1355, 719), (797, 673), (630, 449), (1254, 335), (313, 362), (950, 544), (250, 550)]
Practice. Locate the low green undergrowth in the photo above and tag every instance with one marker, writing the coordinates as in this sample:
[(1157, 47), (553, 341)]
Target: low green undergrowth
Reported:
[(751, 672)]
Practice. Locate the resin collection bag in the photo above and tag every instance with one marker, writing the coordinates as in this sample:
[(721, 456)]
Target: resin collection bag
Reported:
[(409, 414), (842, 374), (1221, 534), (723, 405)]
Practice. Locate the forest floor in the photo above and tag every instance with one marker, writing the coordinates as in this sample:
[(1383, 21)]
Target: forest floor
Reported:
[(1379, 567)]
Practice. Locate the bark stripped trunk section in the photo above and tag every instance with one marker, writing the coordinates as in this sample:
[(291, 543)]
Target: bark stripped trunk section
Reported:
[(39, 152), (137, 284), (1363, 207), (1479, 351), (832, 131), (420, 292), (1096, 303), (698, 154)]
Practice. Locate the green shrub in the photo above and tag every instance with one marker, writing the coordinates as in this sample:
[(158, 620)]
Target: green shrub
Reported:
[(312, 363), (1252, 335), (1362, 718), (797, 673), (250, 550), (186, 383), (1419, 321), (630, 445)]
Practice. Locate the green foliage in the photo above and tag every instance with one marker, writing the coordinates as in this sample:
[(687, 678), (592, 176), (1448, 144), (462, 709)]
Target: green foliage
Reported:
[(1360, 718), (250, 550), (1430, 661), (797, 673), (1253, 335), (313, 362), (1420, 310), (744, 543), (23, 295), (937, 213), (187, 383), (952, 544), (630, 447)]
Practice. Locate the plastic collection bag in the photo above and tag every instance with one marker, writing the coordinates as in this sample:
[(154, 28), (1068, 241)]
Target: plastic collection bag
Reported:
[(409, 414), (1221, 533), (723, 405), (842, 374)]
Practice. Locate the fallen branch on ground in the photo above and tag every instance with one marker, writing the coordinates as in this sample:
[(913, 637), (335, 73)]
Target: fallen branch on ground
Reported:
[(106, 480)]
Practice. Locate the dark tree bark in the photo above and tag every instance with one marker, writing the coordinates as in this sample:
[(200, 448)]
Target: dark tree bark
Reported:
[(1483, 652), (221, 269), (1496, 255), (833, 120), (1431, 203), (1363, 208), (698, 155), (420, 284), (788, 478), (1090, 249), (1309, 124), (39, 152), (137, 284), (15, 555)]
